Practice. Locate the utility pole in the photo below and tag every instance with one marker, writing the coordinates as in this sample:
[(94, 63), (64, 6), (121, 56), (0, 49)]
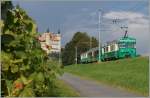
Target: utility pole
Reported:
[(76, 54), (99, 18), (90, 42)]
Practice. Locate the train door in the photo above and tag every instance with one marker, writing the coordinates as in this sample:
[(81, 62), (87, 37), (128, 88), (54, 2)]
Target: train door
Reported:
[(96, 55), (90, 57)]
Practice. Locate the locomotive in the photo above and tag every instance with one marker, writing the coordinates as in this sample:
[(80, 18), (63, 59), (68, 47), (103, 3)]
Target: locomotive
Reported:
[(116, 49)]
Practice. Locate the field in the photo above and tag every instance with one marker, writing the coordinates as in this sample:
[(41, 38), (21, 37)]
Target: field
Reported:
[(130, 74)]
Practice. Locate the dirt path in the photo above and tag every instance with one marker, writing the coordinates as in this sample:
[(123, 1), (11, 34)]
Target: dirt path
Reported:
[(89, 88)]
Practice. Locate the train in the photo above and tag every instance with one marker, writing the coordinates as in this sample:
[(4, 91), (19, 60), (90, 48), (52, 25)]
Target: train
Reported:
[(124, 47)]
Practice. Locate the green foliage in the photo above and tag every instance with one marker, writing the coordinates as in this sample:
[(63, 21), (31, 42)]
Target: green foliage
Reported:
[(5, 5), (27, 92), (80, 40), (26, 69), (131, 74)]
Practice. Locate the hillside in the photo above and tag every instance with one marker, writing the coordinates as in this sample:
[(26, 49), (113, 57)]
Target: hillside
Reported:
[(131, 74)]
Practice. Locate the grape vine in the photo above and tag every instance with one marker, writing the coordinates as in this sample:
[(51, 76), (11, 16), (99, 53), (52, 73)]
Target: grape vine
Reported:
[(26, 68)]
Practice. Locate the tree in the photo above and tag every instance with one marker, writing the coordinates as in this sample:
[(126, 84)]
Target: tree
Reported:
[(81, 41), (26, 69), (5, 6)]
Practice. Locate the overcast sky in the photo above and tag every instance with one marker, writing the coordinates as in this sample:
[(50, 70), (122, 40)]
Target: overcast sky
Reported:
[(73, 16)]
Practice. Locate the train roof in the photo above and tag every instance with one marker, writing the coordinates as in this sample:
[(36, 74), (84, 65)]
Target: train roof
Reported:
[(127, 39), (123, 39), (111, 42), (92, 49)]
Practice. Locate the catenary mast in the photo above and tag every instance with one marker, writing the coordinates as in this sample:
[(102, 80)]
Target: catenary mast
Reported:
[(99, 31)]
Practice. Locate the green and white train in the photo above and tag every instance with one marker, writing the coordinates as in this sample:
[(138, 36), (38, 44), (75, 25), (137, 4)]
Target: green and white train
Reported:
[(117, 49)]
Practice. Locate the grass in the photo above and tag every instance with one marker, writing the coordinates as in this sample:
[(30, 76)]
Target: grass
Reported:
[(131, 74), (64, 90)]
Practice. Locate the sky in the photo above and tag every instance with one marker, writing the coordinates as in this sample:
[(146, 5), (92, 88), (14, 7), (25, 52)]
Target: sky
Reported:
[(73, 16)]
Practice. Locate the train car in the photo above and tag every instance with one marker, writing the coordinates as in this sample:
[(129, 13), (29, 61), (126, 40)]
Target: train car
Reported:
[(117, 49), (89, 56), (122, 48)]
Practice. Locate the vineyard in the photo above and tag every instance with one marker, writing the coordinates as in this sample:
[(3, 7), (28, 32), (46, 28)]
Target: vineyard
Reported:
[(26, 68)]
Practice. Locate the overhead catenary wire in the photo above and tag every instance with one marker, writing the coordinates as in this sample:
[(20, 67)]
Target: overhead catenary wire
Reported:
[(135, 8)]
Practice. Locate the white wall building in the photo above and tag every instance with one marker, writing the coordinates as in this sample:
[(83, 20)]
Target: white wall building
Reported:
[(50, 42)]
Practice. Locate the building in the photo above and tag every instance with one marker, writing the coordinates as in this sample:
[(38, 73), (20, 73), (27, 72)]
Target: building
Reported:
[(50, 42)]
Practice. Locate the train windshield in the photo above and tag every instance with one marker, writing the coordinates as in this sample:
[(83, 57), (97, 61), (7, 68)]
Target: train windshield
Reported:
[(126, 45)]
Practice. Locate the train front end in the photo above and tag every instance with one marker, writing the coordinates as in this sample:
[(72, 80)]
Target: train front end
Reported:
[(127, 47)]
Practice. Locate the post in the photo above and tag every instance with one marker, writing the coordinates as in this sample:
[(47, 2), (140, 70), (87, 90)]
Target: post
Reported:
[(76, 55), (99, 18), (90, 42)]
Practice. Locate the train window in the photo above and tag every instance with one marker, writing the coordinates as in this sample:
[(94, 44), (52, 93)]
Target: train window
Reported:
[(102, 50), (131, 45), (95, 53), (122, 45), (107, 49), (127, 45), (112, 47), (90, 54)]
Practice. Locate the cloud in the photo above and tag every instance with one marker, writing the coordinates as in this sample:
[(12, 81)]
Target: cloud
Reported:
[(123, 15)]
